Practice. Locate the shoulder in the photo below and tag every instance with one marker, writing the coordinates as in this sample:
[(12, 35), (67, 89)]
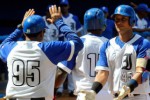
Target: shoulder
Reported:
[(75, 17)]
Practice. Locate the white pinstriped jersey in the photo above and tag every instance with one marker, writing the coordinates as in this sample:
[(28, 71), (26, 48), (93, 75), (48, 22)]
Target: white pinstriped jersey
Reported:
[(83, 65), (120, 60)]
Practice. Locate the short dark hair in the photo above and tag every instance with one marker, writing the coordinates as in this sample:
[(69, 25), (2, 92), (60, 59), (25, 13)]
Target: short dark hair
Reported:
[(33, 35)]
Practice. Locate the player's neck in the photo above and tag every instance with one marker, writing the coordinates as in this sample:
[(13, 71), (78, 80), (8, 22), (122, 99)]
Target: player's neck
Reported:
[(126, 36), (65, 13), (96, 32), (32, 39)]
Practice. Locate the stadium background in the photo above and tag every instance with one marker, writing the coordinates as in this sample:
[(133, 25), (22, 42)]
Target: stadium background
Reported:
[(11, 11)]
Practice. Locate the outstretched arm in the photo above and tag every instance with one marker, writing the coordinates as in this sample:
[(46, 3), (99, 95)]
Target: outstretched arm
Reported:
[(14, 36), (69, 34)]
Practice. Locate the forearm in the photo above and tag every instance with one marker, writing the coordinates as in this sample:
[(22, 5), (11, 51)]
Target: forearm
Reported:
[(102, 77), (100, 80), (136, 79), (14, 36), (69, 34)]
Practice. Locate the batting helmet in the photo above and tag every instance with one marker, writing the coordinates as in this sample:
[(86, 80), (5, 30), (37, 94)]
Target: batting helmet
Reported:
[(94, 19), (126, 10), (33, 24)]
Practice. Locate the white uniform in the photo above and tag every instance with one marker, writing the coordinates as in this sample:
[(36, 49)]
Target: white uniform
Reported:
[(51, 33), (83, 65), (31, 64), (73, 21), (120, 60)]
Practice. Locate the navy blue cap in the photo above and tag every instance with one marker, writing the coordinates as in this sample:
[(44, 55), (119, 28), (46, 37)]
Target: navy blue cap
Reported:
[(104, 9), (64, 2), (143, 7)]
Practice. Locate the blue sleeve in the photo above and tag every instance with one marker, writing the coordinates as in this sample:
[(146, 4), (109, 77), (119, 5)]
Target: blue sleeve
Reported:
[(6, 49), (102, 61), (56, 51), (78, 24), (14, 36), (7, 45), (2, 38), (69, 35), (143, 46), (70, 64)]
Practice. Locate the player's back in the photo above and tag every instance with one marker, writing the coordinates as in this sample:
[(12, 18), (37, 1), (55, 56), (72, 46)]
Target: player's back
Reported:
[(84, 71), (30, 71)]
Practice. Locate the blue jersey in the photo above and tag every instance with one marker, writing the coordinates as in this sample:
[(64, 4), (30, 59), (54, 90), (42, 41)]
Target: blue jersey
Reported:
[(32, 64), (121, 59)]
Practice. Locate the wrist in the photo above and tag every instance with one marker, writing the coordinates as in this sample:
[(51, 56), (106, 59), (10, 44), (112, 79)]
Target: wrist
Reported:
[(132, 84), (97, 86), (19, 26), (59, 22)]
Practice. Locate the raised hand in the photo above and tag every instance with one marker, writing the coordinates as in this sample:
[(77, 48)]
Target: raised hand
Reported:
[(55, 13), (27, 14)]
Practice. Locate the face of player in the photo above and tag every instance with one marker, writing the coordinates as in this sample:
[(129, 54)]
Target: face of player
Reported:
[(64, 8), (122, 24)]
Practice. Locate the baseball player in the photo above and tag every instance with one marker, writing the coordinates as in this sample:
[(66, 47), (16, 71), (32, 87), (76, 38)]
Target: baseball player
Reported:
[(73, 22), (123, 59), (31, 62), (83, 64), (51, 33)]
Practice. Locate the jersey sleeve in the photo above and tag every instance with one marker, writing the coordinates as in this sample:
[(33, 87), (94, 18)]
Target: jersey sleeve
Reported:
[(9, 43), (69, 34), (67, 65), (143, 53), (58, 51), (102, 63)]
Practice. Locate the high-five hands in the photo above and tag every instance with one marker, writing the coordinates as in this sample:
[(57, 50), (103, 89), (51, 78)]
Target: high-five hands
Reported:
[(27, 14), (55, 13)]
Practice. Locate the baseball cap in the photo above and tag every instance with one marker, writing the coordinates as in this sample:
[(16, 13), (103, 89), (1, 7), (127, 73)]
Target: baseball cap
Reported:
[(64, 2), (104, 9), (143, 7)]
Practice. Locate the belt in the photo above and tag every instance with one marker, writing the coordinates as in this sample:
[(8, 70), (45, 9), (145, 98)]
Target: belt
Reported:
[(130, 95), (41, 98)]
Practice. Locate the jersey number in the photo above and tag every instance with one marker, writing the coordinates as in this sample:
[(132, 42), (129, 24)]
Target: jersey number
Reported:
[(127, 63), (29, 74), (126, 75), (92, 57)]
